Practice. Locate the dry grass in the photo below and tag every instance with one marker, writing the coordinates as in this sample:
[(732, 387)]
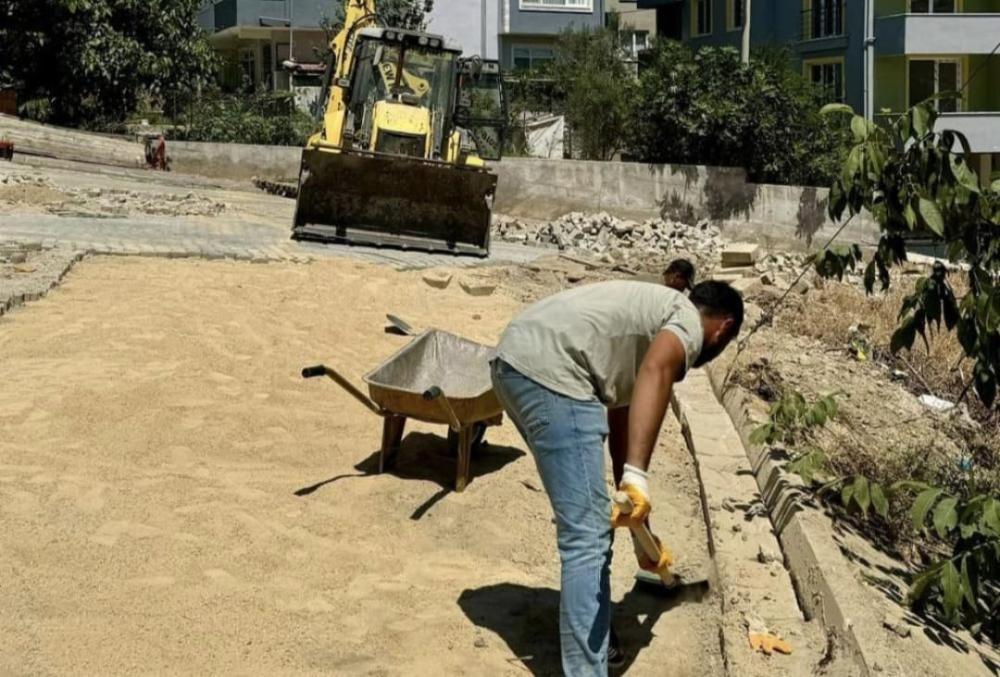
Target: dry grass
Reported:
[(836, 313)]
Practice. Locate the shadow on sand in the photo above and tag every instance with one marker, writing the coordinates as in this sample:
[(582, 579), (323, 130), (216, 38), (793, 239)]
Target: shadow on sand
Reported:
[(425, 457), (527, 619)]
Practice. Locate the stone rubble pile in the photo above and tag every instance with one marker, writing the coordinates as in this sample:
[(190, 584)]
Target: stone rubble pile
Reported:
[(111, 202), (615, 240), (119, 202), (24, 179)]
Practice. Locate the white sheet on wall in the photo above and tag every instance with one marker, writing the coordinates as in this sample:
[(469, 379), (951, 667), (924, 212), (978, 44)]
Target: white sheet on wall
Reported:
[(545, 136)]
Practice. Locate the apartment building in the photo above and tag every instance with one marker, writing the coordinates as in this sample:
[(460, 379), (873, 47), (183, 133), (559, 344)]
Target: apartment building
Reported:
[(637, 26), (529, 28), (256, 37), (879, 56)]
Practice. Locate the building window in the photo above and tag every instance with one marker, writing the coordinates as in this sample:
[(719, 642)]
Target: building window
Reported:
[(928, 77), (634, 42), (531, 58), (933, 6), (822, 19), (701, 17), (737, 13), (828, 77), (571, 5)]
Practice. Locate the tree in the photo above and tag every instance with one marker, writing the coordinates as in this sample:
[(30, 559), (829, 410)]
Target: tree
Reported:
[(706, 107), (596, 89), (408, 14), (915, 180), (87, 60)]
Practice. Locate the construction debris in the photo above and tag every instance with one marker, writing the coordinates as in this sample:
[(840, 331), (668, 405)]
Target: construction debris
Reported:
[(613, 240), (740, 254), (102, 202), (437, 279), (475, 287)]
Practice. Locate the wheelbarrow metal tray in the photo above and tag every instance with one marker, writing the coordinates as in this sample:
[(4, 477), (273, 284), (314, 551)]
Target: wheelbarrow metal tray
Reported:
[(459, 367)]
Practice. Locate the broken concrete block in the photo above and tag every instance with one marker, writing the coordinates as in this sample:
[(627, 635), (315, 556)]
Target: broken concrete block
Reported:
[(437, 279), (740, 255), (476, 287), (743, 285)]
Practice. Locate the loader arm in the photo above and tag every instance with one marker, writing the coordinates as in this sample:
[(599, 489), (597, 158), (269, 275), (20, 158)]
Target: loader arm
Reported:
[(358, 14)]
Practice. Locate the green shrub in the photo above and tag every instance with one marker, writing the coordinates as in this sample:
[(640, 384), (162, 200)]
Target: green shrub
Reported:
[(707, 108), (262, 118)]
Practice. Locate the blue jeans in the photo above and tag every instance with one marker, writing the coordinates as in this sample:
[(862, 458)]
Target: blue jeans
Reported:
[(566, 437)]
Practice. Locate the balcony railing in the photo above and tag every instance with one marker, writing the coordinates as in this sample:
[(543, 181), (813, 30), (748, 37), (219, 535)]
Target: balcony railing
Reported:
[(824, 20)]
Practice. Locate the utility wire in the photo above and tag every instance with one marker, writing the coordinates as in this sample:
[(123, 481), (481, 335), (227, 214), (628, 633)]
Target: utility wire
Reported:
[(770, 313), (982, 63)]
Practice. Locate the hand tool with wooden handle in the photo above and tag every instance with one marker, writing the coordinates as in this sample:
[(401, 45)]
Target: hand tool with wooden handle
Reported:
[(643, 536)]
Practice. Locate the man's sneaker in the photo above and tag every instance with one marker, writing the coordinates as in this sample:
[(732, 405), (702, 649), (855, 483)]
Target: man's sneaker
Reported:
[(616, 659)]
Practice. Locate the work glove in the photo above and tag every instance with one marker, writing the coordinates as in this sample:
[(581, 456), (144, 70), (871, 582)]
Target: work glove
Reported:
[(636, 485), (666, 558)]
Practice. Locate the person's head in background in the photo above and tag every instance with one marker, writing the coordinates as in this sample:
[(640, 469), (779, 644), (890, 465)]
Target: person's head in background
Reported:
[(679, 275)]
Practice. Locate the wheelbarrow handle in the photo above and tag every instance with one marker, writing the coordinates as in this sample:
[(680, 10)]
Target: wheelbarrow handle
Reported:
[(434, 393), (323, 370)]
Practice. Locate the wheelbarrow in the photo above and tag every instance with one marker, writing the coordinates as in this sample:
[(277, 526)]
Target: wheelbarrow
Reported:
[(436, 378)]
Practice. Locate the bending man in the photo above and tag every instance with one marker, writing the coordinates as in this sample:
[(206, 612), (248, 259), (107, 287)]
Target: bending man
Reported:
[(568, 370)]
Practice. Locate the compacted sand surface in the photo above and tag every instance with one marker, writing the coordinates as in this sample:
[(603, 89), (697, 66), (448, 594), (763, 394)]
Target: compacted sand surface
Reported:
[(175, 498)]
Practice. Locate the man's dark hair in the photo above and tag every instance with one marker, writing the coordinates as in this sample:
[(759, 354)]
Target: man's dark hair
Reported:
[(681, 267), (718, 299)]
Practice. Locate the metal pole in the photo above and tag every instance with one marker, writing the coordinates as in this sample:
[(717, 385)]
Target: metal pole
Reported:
[(745, 54), (291, 29), (869, 102)]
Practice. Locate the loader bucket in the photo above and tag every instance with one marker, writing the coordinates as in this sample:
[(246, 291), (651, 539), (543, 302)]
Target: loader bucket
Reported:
[(375, 199)]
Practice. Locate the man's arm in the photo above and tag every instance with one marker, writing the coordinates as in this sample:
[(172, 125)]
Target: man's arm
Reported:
[(618, 440), (664, 363)]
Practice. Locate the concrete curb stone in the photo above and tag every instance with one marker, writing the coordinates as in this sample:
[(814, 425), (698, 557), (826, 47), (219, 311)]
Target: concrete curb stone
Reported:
[(828, 589), (749, 587)]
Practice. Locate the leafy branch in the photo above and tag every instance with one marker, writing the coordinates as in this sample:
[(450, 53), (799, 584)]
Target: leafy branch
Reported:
[(915, 182)]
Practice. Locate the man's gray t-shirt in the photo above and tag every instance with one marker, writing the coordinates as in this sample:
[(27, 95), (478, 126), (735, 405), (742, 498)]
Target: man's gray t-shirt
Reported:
[(587, 343)]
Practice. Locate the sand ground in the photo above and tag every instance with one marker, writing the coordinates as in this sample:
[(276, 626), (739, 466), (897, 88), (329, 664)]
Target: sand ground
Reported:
[(176, 499)]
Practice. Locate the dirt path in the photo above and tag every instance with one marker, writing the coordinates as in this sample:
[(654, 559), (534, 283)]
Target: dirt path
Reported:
[(176, 498)]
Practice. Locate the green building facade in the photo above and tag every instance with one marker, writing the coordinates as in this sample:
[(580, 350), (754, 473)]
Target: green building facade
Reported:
[(879, 56)]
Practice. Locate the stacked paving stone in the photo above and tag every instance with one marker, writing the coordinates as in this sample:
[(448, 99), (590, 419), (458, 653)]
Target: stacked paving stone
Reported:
[(29, 270), (615, 240)]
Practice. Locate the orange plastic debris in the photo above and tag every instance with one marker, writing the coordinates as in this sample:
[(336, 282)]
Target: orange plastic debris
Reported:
[(768, 643)]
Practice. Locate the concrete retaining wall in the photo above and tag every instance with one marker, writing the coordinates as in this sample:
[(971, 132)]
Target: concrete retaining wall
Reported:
[(533, 188), (234, 160), (32, 138), (786, 215)]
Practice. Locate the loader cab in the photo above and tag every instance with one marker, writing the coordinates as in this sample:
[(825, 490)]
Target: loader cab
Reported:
[(481, 108), (401, 92)]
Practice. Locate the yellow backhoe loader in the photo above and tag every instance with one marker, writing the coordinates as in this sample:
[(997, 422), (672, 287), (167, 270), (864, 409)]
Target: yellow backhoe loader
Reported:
[(400, 158)]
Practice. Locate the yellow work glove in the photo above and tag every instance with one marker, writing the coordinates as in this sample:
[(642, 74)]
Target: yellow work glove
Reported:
[(666, 558), (635, 483), (640, 508)]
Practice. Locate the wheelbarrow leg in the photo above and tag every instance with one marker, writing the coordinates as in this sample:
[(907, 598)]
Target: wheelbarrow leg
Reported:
[(466, 436), (392, 435)]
